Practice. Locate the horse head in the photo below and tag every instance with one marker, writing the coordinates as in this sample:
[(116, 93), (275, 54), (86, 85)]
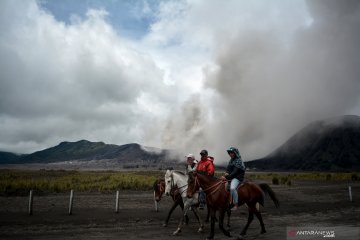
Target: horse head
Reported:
[(193, 184), (159, 189), (169, 181)]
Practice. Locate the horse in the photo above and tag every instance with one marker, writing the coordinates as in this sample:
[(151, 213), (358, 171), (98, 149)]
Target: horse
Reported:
[(218, 199), (179, 179), (159, 190)]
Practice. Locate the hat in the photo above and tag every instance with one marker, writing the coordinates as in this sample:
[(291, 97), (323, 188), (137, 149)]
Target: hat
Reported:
[(204, 152), (190, 156)]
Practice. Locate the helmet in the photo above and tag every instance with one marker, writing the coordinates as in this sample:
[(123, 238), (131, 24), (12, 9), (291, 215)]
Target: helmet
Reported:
[(190, 156)]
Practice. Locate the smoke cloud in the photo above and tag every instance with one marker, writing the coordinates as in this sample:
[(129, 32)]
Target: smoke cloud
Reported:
[(262, 89)]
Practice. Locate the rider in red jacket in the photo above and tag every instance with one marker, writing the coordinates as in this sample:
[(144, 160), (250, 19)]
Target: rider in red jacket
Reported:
[(206, 165)]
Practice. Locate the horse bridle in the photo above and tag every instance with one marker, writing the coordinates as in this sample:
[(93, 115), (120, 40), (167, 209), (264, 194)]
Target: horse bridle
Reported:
[(172, 184)]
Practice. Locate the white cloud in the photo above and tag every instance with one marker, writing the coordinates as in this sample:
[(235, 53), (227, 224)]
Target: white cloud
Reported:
[(69, 82), (207, 74)]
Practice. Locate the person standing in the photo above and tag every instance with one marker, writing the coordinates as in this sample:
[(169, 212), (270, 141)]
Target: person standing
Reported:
[(235, 172)]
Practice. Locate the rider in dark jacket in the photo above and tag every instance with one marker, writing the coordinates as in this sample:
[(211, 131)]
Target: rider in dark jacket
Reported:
[(235, 172)]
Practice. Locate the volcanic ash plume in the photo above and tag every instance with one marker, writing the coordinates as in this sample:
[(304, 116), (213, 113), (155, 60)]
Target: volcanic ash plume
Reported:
[(264, 88)]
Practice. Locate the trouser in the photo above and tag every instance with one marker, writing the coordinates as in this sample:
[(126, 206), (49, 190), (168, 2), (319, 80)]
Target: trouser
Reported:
[(233, 190), (202, 197)]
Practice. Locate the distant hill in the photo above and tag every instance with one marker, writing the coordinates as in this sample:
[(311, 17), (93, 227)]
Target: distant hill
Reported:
[(329, 145), (8, 157), (89, 151)]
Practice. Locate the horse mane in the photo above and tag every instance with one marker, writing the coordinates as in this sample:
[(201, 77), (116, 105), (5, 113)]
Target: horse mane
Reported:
[(157, 181), (179, 172)]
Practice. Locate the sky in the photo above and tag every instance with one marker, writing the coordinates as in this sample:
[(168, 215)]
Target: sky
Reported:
[(185, 74)]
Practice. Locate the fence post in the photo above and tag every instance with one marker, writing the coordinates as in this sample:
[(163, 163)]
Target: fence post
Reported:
[(350, 193), (117, 202), (71, 201), (31, 202)]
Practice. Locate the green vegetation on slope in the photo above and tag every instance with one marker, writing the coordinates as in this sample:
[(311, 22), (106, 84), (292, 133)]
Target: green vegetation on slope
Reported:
[(46, 181), (16, 182)]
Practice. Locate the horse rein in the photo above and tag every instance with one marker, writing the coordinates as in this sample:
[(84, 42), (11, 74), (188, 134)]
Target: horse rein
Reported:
[(217, 185), (172, 184)]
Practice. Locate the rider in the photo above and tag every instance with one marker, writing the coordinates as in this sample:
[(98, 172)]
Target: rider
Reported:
[(205, 166), (191, 163), (235, 172)]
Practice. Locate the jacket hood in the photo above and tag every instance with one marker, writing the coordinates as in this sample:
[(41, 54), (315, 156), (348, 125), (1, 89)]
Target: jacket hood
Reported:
[(234, 150)]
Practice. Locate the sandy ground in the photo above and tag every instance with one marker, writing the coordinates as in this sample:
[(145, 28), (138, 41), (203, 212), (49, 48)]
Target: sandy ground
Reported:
[(306, 203)]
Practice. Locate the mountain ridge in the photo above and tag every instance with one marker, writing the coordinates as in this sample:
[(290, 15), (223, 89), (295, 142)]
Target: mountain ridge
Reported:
[(327, 145), (84, 150)]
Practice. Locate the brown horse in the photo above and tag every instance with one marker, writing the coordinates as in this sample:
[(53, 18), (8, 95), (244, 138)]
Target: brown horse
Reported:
[(218, 199), (159, 189)]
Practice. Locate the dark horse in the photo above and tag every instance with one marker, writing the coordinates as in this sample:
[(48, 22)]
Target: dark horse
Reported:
[(218, 199), (159, 189)]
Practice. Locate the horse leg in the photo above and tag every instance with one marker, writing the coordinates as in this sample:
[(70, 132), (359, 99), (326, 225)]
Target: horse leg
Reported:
[(197, 215), (258, 215), (207, 215), (181, 203), (221, 223), (250, 218), (186, 208), (170, 212), (228, 211), (212, 225)]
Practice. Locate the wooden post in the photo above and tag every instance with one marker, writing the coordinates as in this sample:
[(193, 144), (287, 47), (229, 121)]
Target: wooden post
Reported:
[(31, 202), (71, 201), (350, 194), (117, 202)]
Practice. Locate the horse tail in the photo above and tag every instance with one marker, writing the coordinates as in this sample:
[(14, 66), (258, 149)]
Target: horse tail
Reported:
[(267, 190)]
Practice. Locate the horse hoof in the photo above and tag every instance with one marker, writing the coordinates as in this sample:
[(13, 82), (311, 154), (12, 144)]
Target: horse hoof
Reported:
[(227, 234), (242, 233), (164, 225), (263, 231), (176, 232), (200, 230)]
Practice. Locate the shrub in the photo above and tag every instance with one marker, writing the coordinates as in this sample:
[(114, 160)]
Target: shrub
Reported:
[(275, 181), (355, 177), (288, 182), (328, 177)]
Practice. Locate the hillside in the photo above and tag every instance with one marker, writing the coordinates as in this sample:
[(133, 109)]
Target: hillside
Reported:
[(86, 151), (329, 145), (8, 157)]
